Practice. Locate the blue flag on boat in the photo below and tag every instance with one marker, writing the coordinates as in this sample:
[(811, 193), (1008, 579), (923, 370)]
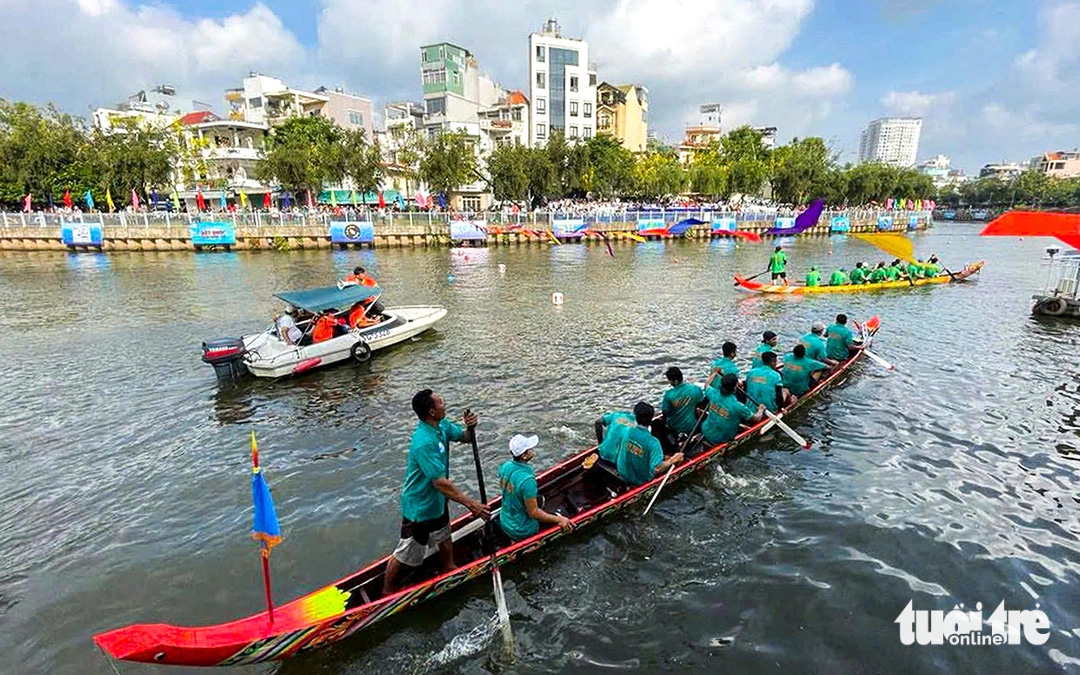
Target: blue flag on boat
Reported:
[(803, 222), (265, 528)]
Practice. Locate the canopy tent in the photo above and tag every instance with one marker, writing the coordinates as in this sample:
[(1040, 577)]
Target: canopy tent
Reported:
[(328, 297)]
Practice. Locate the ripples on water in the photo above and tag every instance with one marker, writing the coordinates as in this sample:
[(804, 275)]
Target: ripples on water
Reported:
[(124, 494)]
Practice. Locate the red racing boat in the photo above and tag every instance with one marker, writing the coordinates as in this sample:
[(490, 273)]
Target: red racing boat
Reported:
[(582, 488)]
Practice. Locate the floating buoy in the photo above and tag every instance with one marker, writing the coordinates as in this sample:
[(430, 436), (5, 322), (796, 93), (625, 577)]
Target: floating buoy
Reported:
[(556, 298), (502, 268), (676, 261), (450, 277)]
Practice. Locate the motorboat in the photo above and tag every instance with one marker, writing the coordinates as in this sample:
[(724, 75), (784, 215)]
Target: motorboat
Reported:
[(269, 354)]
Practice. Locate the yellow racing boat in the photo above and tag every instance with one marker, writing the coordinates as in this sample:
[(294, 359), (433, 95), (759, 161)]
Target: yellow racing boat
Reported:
[(802, 289)]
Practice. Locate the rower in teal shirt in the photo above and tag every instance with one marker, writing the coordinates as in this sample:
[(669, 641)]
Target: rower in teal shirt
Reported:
[(815, 344), (799, 371), (520, 516), (839, 340), (680, 402), (640, 457), (724, 366), (768, 344), (611, 427), (725, 413), (761, 383)]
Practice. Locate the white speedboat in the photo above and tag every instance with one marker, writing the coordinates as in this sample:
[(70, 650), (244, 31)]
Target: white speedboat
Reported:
[(266, 354)]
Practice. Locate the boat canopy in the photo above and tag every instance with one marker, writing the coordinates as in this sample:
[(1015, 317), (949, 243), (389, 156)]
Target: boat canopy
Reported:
[(328, 297)]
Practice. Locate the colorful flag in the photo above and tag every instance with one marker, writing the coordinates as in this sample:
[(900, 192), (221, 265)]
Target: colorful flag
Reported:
[(267, 200), (221, 200), (200, 201), (353, 197), (28, 202), (442, 200), (67, 198), (265, 527), (134, 199), (333, 198), (896, 245), (88, 197), (803, 222), (382, 202), (243, 200), (176, 201), (286, 200), (108, 200), (154, 197), (310, 203), (419, 199)]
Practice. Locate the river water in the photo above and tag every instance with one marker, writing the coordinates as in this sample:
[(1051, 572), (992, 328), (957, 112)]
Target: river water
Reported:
[(124, 493)]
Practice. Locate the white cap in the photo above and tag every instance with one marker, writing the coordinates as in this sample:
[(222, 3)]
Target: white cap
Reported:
[(818, 327), (520, 444)]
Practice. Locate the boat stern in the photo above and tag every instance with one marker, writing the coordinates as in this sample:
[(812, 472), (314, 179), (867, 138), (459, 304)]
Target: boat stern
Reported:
[(160, 643)]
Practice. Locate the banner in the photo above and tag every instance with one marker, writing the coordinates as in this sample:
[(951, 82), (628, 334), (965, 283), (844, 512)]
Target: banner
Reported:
[(352, 232), (913, 222), (723, 224), (213, 233), (785, 222), (563, 227), (884, 222), (81, 234), (840, 224), (647, 223), (468, 229)]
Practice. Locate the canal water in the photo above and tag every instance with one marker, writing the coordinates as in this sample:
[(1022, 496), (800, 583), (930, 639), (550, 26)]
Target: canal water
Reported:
[(124, 492)]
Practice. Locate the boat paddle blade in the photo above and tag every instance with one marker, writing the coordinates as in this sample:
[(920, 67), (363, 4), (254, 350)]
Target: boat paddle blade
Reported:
[(775, 419), (878, 360)]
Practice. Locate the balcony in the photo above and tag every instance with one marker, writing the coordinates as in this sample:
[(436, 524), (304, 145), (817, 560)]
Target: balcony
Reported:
[(241, 153), (501, 126)]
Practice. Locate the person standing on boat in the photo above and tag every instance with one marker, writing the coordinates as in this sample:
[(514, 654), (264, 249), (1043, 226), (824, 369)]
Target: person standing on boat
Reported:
[(778, 265), (520, 516), (425, 516), (726, 365), (611, 428), (813, 277), (764, 384), (768, 344), (726, 412), (640, 456), (840, 339), (800, 373), (815, 344), (679, 407)]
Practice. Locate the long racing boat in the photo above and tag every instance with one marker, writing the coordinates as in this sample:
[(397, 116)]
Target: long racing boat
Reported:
[(583, 488), (802, 289)]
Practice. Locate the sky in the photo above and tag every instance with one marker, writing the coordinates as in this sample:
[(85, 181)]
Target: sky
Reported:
[(993, 79)]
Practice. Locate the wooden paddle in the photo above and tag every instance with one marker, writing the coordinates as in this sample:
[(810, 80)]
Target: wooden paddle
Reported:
[(873, 357), (489, 544), (753, 277)]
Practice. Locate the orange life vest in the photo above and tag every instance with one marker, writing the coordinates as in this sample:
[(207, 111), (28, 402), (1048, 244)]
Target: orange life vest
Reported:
[(324, 329)]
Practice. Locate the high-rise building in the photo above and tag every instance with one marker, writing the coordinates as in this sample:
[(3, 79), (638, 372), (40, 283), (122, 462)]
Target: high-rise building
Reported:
[(622, 112), (562, 86), (891, 140)]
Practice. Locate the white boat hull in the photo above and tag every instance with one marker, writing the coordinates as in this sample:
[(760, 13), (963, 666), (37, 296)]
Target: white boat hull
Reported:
[(269, 356)]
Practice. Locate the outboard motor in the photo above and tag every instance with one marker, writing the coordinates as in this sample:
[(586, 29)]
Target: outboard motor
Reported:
[(226, 355)]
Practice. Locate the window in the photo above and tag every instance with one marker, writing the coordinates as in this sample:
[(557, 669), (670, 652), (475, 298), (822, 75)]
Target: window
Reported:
[(573, 83), (603, 121), (516, 115), (541, 131), (587, 132), (457, 77), (588, 109), (470, 203), (541, 105), (436, 106), (540, 53), (434, 76), (592, 79), (573, 132), (255, 102), (573, 108), (541, 81), (356, 118)]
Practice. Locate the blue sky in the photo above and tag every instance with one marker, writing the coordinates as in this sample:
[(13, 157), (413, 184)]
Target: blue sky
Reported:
[(992, 79)]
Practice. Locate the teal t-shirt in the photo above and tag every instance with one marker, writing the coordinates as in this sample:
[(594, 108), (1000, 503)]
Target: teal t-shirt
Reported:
[(639, 456), (725, 412), (813, 278), (840, 338), (617, 424), (429, 460), (761, 349), (796, 374), (518, 483), (678, 406), (726, 367), (815, 346), (761, 386)]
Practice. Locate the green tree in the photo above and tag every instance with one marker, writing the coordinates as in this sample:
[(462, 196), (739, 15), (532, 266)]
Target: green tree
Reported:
[(708, 174), (658, 175), (132, 156), (361, 161), (610, 167), (747, 160), (508, 172), (41, 151), (543, 177), (448, 162), (799, 170), (303, 153), (558, 154), (407, 150)]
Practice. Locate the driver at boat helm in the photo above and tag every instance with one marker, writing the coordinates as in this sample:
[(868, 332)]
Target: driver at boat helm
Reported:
[(360, 276), (425, 518), (640, 457), (286, 326), (520, 516)]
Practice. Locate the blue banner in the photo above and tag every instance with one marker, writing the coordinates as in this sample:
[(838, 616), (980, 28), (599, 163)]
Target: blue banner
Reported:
[(213, 233), (352, 232), (912, 222), (563, 227), (723, 224), (784, 222), (468, 229), (840, 224), (81, 234), (884, 222), (644, 223)]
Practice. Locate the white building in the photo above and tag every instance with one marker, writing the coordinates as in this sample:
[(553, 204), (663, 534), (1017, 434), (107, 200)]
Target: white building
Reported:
[(562, 86), (155, 108), (891, 140), (768, 136), (1002, 170), (219, 157)]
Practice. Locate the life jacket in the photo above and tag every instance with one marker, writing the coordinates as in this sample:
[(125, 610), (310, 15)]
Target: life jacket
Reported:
[(324, 329), (357, 317)]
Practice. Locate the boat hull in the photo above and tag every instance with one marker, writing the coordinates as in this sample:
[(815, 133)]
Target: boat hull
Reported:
[(797, 289), (334, 612)]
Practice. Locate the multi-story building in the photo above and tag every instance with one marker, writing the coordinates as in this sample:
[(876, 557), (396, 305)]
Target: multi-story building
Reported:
[(155, 108), (219, 157), (622, 112), (768, 136), (1001, 170), (348, 111), (1061, 164), (562, 86), (891, 140), (506, 122), (940, 170), (268, 100), (706, 131)]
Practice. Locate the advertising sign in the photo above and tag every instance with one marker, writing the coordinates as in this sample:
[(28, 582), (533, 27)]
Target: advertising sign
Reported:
[(213, 233), (840, 224), (461, 230), (81, 234), (352, 232), (723, 224), (884, 222), (566, 226)]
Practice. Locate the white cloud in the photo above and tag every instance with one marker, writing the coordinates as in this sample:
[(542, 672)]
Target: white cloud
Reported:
[(1024, 123), (917, 104)]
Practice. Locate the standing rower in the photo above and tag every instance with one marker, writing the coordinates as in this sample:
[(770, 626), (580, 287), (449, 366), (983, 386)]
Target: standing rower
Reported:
[(840, 339), (520, 516), (425, 518), (778, 265), (640, 456)]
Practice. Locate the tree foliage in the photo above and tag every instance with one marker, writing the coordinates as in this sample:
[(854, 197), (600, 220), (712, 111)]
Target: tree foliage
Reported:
[(448, 162), (302, 154)]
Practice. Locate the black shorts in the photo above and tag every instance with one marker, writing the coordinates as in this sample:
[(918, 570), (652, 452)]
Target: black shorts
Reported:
[(779, 275), (421, 531)]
